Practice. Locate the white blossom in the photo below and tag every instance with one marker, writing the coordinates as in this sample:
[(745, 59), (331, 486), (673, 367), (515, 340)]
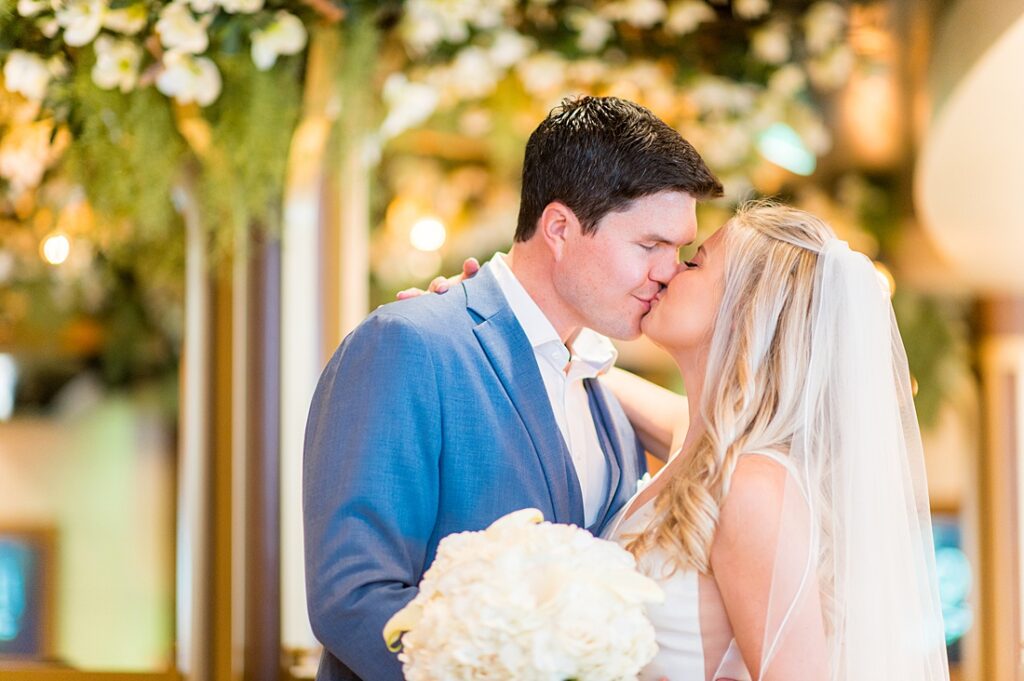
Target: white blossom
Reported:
[(594, 30), (527, 600), (117, 64), (719, 96), (788, 80), (639, 13), (408, 104), (542, 73), (26, 74), (831, 70), (188, 78), (26, 151), (180, 31), (684, 16), (48, 26), (81, 20), (824, 24), (127, 20), (751, 9), (241, 6), (510, 47), (771, 43), (202, 6), (284, 35), (30, 8), (472, 74)]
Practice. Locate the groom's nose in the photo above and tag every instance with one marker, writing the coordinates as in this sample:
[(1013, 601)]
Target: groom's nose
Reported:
[(664, 270)]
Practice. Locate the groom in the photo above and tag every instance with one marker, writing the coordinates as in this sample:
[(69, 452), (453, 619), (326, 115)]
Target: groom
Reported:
[(442, 413)]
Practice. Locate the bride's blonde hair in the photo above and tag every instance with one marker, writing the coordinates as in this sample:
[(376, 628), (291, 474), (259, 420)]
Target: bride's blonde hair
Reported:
[(756, 371)]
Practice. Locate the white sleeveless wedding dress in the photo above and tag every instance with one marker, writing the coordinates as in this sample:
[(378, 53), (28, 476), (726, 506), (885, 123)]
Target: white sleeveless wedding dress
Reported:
[(695, 640)]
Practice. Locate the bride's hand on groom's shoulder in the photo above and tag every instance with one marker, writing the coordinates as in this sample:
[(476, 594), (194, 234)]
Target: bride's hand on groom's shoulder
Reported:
[(441, 284)]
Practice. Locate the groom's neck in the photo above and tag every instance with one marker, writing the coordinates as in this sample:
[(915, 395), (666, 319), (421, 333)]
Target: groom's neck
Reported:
[(532, 266)]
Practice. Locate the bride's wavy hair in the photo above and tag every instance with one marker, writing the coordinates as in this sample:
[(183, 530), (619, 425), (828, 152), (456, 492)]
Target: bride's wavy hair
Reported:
[(757, 365)]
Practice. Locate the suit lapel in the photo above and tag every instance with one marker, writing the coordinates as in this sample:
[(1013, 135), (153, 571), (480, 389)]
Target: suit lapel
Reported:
[(512, 358), (611, 444)]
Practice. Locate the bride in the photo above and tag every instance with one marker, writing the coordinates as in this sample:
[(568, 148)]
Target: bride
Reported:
[(791, 529)]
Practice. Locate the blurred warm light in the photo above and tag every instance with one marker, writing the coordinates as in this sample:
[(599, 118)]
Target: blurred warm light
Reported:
[(781, 145), (56, 248), (427, 235), (913, 385), (885, 276)]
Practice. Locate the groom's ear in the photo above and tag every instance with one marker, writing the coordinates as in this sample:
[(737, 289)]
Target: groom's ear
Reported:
[(557, 223)]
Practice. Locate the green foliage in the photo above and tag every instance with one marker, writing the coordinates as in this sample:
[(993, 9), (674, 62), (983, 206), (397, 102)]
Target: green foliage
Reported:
[(935, 333), (126, 153), (252, 124)]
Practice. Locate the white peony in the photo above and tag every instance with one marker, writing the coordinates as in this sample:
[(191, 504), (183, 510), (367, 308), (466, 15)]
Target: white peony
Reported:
[(26, 74), (284, 35), (189, 79), (242, 6), (180, 31), (751, 9), (30, 8), (824, 24), (128, 20), (81, 20), (685, 16), (408, 104), (525, 599), (117, 64), (771, 43)]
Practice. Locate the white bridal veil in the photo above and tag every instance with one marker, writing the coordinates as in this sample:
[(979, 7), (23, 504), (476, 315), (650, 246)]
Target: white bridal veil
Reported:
[(866, 548)]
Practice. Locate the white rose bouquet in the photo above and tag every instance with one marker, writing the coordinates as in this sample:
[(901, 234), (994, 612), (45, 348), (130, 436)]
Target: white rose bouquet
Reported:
[(527, 600)]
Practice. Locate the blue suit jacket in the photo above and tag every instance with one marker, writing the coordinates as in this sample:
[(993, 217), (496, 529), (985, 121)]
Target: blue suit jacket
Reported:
[(431, 418)]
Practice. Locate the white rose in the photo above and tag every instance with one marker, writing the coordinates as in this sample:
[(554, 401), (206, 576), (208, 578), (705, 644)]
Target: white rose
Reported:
[(241, 6), (180, 31), (770, 43), (128, 20), (81, 20), (117, 64), (189, 79), (27, 74), (284, 35), (30, 8), (823, 25), (751, 9), (686, 15)]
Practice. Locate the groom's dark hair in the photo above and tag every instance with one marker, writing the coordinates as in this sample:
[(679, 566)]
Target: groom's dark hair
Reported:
[(597, 154)]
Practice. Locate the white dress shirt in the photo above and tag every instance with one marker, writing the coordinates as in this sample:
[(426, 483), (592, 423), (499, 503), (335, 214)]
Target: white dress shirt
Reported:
[(563, 372)]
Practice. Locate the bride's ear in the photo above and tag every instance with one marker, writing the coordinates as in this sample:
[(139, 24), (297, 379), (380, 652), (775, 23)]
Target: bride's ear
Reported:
[(556, 225)]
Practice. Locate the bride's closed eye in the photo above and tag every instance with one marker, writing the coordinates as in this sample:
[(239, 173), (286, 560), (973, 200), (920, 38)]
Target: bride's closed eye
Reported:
[(689, 265)]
